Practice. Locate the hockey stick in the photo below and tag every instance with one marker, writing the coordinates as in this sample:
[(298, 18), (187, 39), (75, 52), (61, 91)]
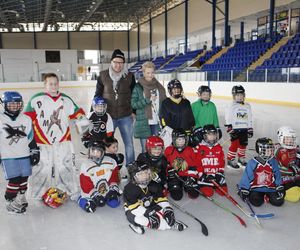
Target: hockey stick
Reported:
[(255, 216), (229, 197), (181, 209), (243, 223)]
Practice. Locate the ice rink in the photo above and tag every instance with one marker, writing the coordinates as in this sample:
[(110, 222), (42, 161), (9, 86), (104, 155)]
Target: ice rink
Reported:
[(70, 228)]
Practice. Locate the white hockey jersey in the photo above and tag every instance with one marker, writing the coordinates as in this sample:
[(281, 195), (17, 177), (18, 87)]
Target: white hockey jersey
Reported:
[(239, 116), (50, 116), (15, 136), (98, 178)]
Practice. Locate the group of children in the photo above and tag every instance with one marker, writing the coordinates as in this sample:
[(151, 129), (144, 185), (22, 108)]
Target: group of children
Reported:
[(193, 162)]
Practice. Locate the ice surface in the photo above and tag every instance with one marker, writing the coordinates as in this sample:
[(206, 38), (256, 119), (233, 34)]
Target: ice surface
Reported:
[(68, 227)]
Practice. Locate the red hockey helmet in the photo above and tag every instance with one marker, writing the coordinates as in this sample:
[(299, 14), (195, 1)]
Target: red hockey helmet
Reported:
[(152, 142)]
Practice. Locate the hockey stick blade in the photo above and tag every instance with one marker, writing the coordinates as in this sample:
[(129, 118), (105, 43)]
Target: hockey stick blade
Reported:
[(264, 216), (181, 209)]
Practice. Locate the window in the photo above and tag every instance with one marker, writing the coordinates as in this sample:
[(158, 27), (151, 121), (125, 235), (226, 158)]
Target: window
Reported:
[(52, 56)]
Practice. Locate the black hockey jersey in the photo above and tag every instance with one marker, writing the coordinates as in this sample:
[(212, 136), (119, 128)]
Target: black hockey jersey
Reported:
[(102, 126)]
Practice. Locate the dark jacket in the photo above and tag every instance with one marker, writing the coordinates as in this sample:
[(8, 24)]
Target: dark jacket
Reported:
[(117, 107)]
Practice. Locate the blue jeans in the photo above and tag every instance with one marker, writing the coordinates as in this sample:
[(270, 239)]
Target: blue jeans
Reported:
[(143, 144), (125, 125)]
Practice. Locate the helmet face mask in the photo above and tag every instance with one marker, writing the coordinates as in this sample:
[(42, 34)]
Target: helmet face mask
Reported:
[(96, 152), (265, 148), (99, 106), (175, 89), (210, 134), (204, 93), (13, 103), (179, 139), (287, 137), (143, 177)]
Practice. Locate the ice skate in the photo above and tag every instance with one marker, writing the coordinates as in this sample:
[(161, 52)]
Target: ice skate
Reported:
[(180, 226), (14, 207), (242, 163), (21, 199), (137, 229), (232, 164)]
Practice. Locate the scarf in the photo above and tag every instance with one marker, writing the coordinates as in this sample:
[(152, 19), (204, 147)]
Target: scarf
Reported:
[(115, 77), (152, 85)]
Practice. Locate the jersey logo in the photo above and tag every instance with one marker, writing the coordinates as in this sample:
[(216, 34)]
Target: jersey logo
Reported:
[(179, 164), (99, 127), (210, 161), (15, 133), (263, 176), (54, 119), (242, 115)]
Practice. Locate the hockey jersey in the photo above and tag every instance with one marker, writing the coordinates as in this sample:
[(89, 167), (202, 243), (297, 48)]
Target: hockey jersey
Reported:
[(287, 157), (239, 116), (261, 176), (15, 136), (184, 162), (50, 116), (94, 177), (102, 126), (210, 158), (177, 115)]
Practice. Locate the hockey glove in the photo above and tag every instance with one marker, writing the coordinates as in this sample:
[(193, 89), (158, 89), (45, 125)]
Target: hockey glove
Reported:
[(229, 129), (86, 140), (98, 199), (155, 177), (169, 216), (244, 193), (113, 193), (34, 156), (280, 192), (90, 206), (250, 132), (191, 182), (120, 160), (219, 133), (153, 218), (172, 173), (294, 168), (220, 178)]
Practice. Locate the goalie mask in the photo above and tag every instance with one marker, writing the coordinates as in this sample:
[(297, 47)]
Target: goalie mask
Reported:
[(99, 106), (155, 147), (96, 151), (287, 137), (265, 148), (179, 139), (210, 134), (13, 103), (175, 89), (139, 173)]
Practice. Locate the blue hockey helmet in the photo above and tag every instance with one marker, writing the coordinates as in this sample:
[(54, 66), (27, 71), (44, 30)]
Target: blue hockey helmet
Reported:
[(99, 105), (13, 102)]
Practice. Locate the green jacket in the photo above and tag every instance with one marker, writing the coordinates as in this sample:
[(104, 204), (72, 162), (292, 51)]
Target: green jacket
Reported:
[(205, 114), (141, 127)]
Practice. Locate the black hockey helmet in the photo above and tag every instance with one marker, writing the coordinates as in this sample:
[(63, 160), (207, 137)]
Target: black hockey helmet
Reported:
[(137, 174), (174, 84), (96, 151), (203, 88), (210, 129), (262, 145), (238, 89), (179, 133)]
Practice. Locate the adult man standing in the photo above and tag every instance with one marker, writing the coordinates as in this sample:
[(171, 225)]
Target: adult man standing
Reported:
[(115, 85)]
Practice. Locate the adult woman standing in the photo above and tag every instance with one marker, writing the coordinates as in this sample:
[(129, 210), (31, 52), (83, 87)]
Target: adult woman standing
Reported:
[(146, 99)]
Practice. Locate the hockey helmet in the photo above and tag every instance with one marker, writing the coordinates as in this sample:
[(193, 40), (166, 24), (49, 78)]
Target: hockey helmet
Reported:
[(13, 102), (287, 137), (155, 146), (210, 134), (99, 105), (175, 84), (180, 139), (265, 148), (238, 89), (54, 197), (96, 151), (139, 173), (204, 89)]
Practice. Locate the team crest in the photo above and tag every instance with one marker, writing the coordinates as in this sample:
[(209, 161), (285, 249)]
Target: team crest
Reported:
[(14, 133)]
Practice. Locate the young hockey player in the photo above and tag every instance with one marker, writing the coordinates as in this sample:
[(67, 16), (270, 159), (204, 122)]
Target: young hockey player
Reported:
[(238, 120), (154, 157), (99, 178), (18, 150), (144, 202), (102, 122), (261, 179), (176, 112), (50, 112), (286, 155), (182, 170), (211, 157), (205, 111), (111, 150)]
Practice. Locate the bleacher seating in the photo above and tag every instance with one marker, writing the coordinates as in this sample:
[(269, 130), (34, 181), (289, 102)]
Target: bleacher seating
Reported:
[(180, 60), (209, 54)]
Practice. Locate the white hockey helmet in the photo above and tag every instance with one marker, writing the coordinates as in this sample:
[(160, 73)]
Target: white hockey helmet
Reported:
[(287, 137)]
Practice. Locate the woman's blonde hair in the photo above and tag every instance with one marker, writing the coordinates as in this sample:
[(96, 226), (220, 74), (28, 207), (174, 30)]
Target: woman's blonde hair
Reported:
[(148, 64)]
